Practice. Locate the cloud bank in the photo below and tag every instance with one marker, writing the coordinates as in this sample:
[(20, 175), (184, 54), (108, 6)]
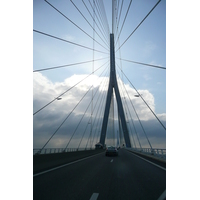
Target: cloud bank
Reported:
[(69, 112)]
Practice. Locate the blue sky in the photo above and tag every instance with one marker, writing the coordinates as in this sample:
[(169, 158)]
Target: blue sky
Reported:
[(146, 45)]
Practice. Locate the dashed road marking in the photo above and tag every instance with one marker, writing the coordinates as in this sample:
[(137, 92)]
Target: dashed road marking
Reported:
[(94, 196), (111, 160)]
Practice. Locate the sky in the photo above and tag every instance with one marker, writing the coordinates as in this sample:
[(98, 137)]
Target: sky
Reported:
[(23, 50), (146, 45)]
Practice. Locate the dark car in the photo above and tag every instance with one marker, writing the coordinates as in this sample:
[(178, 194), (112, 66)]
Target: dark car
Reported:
[(111, 151)]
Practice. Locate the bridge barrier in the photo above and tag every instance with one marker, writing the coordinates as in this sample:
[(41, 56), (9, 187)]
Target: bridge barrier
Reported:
[(46, 160), (58, 150), (154, 153)]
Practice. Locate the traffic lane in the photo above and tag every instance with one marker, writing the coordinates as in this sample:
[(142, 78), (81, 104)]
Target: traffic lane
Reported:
[(79, 180), (122, 177), (151, 159), (129, 177), (144, 180), (68, 182)]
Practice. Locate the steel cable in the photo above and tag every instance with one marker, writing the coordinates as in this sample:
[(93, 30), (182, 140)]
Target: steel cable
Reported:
[(139, 25), (144, 100), (67, 90), (57, 67), (74, 23)]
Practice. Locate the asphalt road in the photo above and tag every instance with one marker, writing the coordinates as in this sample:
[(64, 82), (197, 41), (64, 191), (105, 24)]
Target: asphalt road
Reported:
[(99, 177)]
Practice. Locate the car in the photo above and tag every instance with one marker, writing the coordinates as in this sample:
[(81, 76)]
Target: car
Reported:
[(111, 151)]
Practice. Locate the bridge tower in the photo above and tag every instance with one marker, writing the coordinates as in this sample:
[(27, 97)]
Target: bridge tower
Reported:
[(113, 85)]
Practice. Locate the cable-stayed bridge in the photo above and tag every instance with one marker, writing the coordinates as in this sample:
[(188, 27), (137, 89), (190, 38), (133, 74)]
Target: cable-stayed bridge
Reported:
[(97, 104)]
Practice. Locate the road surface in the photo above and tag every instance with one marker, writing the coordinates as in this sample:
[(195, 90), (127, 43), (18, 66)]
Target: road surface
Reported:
[(99, 177)]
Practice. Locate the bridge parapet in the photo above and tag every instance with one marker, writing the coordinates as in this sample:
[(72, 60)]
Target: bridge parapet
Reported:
[(42, 162), (154, 153), (58, 150)]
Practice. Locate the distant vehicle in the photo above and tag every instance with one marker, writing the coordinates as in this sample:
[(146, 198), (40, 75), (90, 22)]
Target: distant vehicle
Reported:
[(98, 146), (111, 151)]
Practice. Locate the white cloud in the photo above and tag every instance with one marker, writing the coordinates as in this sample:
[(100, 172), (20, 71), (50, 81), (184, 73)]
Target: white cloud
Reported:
[(162, 116), (68, 37), (136, 102), (48, 120)]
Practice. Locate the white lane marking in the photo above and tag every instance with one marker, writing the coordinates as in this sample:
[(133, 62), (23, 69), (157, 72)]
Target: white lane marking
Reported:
[(94, 196), (111, 160), (40, 173), (162, 196), (149, 161)]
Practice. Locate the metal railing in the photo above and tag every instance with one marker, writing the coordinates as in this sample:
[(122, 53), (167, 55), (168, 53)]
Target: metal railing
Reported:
[(159, 153), (58, 150)]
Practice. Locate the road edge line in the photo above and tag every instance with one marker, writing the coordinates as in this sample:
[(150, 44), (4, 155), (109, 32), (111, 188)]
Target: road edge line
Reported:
[(52, 169), (162, 196), (148, 161)]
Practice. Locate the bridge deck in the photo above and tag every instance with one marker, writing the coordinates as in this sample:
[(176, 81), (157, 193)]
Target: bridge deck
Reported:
[(47, 161), (124, 177)]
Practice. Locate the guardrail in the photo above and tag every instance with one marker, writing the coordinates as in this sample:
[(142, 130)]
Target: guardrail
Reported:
[(160, 153), (58, 150)]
